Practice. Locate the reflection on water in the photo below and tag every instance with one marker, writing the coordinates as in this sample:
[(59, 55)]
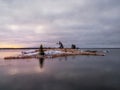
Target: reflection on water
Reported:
[(64, 73), (41, 62)]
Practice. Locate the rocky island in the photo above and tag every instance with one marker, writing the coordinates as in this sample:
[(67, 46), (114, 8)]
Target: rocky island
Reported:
[(54, 52)]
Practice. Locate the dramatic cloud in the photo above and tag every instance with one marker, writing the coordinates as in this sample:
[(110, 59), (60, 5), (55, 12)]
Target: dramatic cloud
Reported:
[(87, 23)]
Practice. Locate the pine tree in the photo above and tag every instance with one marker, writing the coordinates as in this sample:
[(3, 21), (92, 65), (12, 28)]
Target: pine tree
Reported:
[(41, 51)]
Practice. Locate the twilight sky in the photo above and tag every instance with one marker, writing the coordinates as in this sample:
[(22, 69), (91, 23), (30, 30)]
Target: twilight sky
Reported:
[(87, 23)]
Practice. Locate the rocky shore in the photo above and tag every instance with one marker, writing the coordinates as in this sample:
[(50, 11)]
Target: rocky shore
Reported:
[(54, 53)]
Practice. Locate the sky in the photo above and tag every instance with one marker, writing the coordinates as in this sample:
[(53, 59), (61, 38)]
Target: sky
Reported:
[(86, 23)]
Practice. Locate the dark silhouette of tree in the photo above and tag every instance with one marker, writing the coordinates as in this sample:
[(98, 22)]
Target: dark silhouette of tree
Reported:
[(41, 51), (61, 45), (73, 46)]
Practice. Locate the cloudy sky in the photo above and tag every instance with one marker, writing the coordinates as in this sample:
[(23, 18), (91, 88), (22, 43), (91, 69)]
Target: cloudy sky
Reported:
[(87, 23)]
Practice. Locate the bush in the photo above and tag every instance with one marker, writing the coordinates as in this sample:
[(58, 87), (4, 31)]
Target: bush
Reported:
[(73, 46)]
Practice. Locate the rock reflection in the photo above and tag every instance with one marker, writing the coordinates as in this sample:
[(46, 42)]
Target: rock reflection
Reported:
[(41, 62)]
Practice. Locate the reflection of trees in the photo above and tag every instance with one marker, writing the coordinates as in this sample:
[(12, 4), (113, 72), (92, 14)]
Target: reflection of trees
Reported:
[(64, 58), (73, 57), (41, 62)]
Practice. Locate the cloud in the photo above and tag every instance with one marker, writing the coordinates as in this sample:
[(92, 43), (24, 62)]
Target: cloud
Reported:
[(88, 23)]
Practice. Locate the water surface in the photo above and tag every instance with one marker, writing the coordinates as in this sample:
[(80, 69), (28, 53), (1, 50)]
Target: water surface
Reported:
[(64, 73)]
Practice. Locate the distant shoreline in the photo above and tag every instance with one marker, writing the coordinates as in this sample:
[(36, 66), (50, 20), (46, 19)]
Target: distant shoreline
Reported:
[(51, 48)]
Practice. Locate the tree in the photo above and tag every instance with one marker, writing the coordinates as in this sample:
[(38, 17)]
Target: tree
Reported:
[(73, 46), (61, 45), (41, 51)]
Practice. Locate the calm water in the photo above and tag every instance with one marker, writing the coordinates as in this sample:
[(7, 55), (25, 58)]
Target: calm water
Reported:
[(65, 73)]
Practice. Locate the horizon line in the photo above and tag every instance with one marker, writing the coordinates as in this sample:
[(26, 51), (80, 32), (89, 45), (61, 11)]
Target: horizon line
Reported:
[(58, 47)]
